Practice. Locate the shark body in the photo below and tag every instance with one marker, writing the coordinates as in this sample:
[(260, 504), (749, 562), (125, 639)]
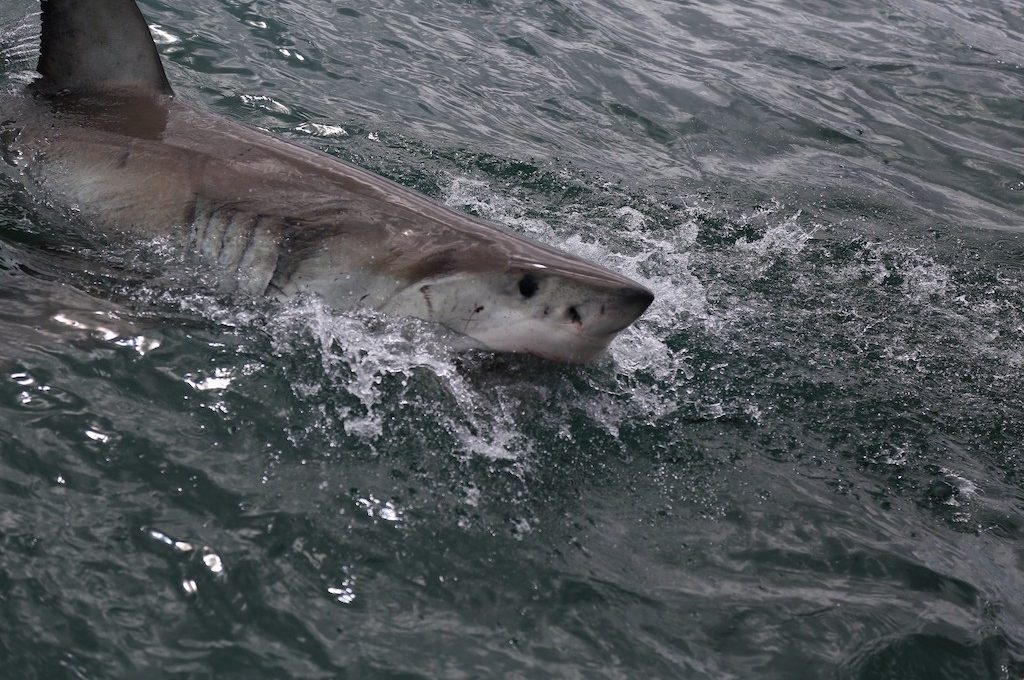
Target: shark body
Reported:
[(101, 131)]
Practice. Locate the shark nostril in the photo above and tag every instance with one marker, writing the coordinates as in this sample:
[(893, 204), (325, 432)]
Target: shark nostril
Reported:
[(574, 315)]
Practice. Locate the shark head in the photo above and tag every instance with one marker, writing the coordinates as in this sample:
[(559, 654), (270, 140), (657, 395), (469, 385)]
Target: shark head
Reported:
[(563, 309)]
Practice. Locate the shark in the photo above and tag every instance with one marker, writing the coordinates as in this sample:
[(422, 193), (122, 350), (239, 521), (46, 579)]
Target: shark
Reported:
[(100, 131)]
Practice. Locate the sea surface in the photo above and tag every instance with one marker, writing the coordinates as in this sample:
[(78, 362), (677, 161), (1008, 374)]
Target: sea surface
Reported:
[(805, 461)]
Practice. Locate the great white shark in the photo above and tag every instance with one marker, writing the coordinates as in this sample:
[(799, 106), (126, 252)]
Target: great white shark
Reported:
[(101, 131)]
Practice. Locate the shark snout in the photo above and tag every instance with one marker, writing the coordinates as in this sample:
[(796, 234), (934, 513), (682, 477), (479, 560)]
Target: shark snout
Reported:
[(615, 312), (637, 298)]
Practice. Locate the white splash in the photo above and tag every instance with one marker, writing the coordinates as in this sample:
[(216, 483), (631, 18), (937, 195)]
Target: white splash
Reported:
[(220, 380), (364, 351), (787, 238), (322, 130), (162, 36), (266, 103)]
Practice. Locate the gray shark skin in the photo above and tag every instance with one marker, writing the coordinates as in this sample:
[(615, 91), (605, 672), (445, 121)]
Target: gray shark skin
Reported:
[(101, 131)]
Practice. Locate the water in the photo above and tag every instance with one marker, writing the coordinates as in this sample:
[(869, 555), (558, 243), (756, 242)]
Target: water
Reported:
[(805, 461)]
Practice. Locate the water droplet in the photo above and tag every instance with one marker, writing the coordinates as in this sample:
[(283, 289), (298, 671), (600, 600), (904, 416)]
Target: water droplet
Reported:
[(213, 563), (97, 436)]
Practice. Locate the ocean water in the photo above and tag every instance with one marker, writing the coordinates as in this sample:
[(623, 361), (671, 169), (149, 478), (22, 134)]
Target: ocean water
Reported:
[(805, 461)]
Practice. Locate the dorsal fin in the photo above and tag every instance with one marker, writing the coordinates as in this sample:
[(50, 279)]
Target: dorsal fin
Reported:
[(98, 46)]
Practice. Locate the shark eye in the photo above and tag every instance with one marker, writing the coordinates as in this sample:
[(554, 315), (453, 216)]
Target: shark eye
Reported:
[(528, 286)]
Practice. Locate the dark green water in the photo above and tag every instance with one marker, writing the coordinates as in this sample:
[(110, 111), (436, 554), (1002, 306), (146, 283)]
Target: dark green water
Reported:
[(806, 461)]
